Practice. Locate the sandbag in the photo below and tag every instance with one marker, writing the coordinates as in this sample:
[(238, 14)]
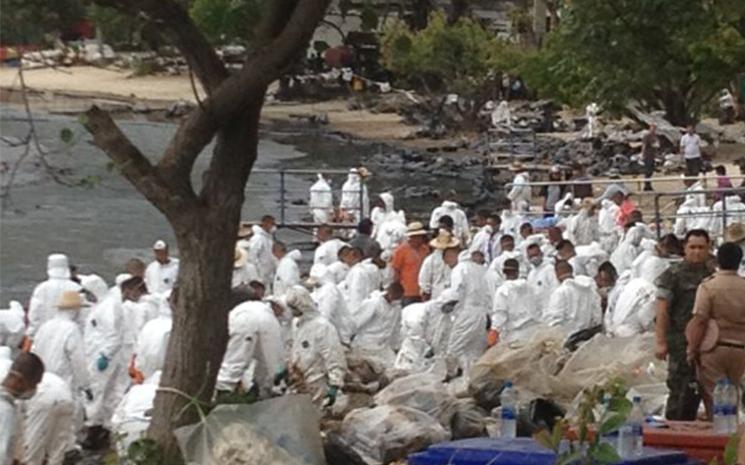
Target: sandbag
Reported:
[(280, 431), (390, 432), (422, 392)]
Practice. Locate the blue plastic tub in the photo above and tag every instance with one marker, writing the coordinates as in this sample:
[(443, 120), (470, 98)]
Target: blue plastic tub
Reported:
[(522, 451)]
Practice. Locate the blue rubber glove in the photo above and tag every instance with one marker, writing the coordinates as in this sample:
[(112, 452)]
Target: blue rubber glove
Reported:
[(102, 363), (330, 396)]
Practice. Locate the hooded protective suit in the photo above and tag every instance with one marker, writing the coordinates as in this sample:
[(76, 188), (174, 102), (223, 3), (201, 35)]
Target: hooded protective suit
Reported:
[(339, 270), (610, 233), (159, 277), (260, 254), (353, 196), (468, 287), (362, 280), (543, 280), (386, 214), (317, 357), (47, 419), (735, 210), (136, 315), (321, 201), (417, 335), (59, 344), (378, 324), (43, 304), (331, 303), (588, 259), (515, 310), (521, 191), (495, 275), (630, 247), (691, 216), (574, 305), (633, 311), (288, 273), (132, 416), (486, 241), (255, 334), (511, 223), (12, 326), (648, 265), (699, 200), (434, 275), (390, 234), (104, 338), (244, 274), (152, 341), (583, 228), (327, 252), (462, 229)]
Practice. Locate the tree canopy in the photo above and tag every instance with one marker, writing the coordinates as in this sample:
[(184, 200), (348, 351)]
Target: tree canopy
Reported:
[(663, 54)]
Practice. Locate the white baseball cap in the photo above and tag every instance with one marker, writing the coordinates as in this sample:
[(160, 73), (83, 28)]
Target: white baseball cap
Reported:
[(160, 245)]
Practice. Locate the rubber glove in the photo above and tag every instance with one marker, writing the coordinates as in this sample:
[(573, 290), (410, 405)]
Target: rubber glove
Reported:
[(492, 337), (102, 363), (330, 396)]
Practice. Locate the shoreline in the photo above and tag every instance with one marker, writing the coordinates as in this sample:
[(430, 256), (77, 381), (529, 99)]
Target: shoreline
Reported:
[(70, 91)]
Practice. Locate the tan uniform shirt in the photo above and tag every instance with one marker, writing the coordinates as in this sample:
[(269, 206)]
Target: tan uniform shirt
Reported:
[(722, 297)]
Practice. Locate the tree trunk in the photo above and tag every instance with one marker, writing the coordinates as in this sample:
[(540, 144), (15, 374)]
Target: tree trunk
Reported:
[(206, 244), (676, 108)]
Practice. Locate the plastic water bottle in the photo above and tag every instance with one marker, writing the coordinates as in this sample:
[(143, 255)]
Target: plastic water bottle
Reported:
[(719, 401), (508, 399), (636, 421), (731, 403)]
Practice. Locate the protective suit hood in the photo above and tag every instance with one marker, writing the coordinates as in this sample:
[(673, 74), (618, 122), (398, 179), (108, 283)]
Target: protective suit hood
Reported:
[(449, 205), (95, 285), (581, 282), (58, 266), (295, 255), (387, 199)]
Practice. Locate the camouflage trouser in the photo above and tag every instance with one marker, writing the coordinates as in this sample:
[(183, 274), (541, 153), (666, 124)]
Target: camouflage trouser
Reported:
[(684, 397)]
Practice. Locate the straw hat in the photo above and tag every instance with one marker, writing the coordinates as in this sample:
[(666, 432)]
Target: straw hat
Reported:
[(240, 257), (735, 233), (517, 166), (71, 300), (444, 240), (587, 203), (363, 172), (415, 229), (245, 231)]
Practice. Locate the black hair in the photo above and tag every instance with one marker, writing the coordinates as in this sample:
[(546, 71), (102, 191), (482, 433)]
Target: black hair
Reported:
[(447, 221), (720, 169), (365, 226), (729, 256), (697, 233), (564, 243)]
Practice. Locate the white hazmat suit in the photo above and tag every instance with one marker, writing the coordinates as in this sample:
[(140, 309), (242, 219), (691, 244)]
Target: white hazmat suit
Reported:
[(260, 254), (47, 419), (377, 323), (574, 305), (331, 303), (515, 310), (321, 201), (12, 325), (354, 197), (434, 275), (417, 334), (461, 228), (160, 277), (43, 304), (288, 273), (152, 341)]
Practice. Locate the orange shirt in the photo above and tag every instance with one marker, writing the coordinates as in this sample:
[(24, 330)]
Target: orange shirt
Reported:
[(627, 207), (406, 262)]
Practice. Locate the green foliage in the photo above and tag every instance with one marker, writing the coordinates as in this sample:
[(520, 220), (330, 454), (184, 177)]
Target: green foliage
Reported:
[(669, 54), (228, 21), (586, 451), (30, 21), (144, 452), (730, 451), (453, 58)]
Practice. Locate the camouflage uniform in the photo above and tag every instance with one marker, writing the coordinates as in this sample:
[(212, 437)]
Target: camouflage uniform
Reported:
[(678, 286)]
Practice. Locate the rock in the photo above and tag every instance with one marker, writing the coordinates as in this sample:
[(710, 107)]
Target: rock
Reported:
[(469, 421), (390, 432)]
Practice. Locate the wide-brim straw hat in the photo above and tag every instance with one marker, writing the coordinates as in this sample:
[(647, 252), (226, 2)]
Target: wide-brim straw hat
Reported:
[(415, 229), (71, 300), (735, 233), (443, 241), (240, 258), (245, 230)]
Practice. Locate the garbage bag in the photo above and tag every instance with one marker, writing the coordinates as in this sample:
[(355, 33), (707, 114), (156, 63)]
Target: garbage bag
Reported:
[(576, 339), (469, 420), (281, 431), (390, 432), (529, 364), (422, 392)]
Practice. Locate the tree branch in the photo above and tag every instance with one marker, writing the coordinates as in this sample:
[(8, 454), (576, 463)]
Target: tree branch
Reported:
[(236, 93), (133, 165), (190, 41)]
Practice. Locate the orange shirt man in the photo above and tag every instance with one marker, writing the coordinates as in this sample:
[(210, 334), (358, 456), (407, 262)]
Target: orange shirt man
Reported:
[(407, 260)]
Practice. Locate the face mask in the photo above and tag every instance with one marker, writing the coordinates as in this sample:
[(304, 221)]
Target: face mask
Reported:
[(273, 230), (603, 291), (26, 395), (536, 261)]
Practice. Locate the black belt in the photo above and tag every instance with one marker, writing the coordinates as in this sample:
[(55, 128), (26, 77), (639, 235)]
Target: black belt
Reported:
[(731, 344)]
